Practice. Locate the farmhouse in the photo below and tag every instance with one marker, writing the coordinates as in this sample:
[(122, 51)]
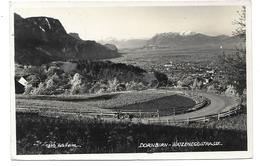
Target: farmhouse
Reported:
[(20, 84), (23, 81)]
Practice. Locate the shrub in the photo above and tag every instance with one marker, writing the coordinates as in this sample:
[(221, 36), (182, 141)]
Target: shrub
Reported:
[(135, 86), (112, 84), (40, 90), (76, 84), (161, 77), (33, 80), (28, 89)]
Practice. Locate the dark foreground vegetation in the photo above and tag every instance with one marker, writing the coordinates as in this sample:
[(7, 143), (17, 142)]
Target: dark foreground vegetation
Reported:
[(48, 135)]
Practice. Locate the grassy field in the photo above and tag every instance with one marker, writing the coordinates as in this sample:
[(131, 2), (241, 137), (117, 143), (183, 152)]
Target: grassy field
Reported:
[(236, 122), (105, 101), (164, 105), (45, 135)]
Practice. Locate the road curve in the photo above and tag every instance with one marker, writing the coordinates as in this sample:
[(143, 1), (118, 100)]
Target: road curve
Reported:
[(218, 103)]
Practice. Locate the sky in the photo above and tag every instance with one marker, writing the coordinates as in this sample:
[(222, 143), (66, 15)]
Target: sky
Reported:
[(102, 23)]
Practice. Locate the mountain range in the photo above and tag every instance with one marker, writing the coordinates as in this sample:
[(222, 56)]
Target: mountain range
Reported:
[(40, 40), (193, 40), (181, 40), (125, 43)]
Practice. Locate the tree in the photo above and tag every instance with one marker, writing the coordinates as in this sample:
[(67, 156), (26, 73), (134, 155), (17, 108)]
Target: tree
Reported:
[(40, 90), (33, 80), (161, 77), (76, 83), (234, 65), (28, 89), (240, 30)]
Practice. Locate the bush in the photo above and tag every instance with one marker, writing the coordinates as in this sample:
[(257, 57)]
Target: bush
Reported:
[(76, 84), (28, 89), (33, 80), (161, 77), (112, 84), (40, 90)]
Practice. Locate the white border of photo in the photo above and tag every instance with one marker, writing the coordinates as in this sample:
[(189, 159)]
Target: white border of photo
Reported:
[(137, 156)]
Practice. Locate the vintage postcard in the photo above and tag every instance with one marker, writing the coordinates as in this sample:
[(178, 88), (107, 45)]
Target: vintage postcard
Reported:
[(131, 80)]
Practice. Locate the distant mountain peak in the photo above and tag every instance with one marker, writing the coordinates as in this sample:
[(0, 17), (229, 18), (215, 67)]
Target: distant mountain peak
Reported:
[(47, 24), (187, 33)]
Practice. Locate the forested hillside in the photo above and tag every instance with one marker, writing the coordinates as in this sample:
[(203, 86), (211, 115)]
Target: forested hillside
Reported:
[(85, 76)]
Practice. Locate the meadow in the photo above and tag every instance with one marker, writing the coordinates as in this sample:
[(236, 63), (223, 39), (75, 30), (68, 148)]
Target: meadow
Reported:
[(48, 135), (235, 122)]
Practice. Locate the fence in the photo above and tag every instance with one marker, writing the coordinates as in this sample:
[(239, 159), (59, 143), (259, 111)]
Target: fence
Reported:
[(49, 111)]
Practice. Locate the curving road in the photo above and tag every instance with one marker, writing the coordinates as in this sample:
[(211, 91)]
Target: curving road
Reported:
[(218, 103)]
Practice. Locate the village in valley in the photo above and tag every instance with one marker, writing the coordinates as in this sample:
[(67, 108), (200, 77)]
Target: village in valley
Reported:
[(194, 76)]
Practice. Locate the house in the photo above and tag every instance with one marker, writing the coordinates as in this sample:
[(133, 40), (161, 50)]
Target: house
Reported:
[(23, 81), (210, 71), (170, 64), (20, 84)]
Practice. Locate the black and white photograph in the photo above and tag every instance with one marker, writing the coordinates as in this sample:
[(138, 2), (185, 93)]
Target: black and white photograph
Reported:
[(131, 80)]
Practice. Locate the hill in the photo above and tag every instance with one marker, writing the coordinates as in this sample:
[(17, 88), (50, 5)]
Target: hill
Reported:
[(40, 40)]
